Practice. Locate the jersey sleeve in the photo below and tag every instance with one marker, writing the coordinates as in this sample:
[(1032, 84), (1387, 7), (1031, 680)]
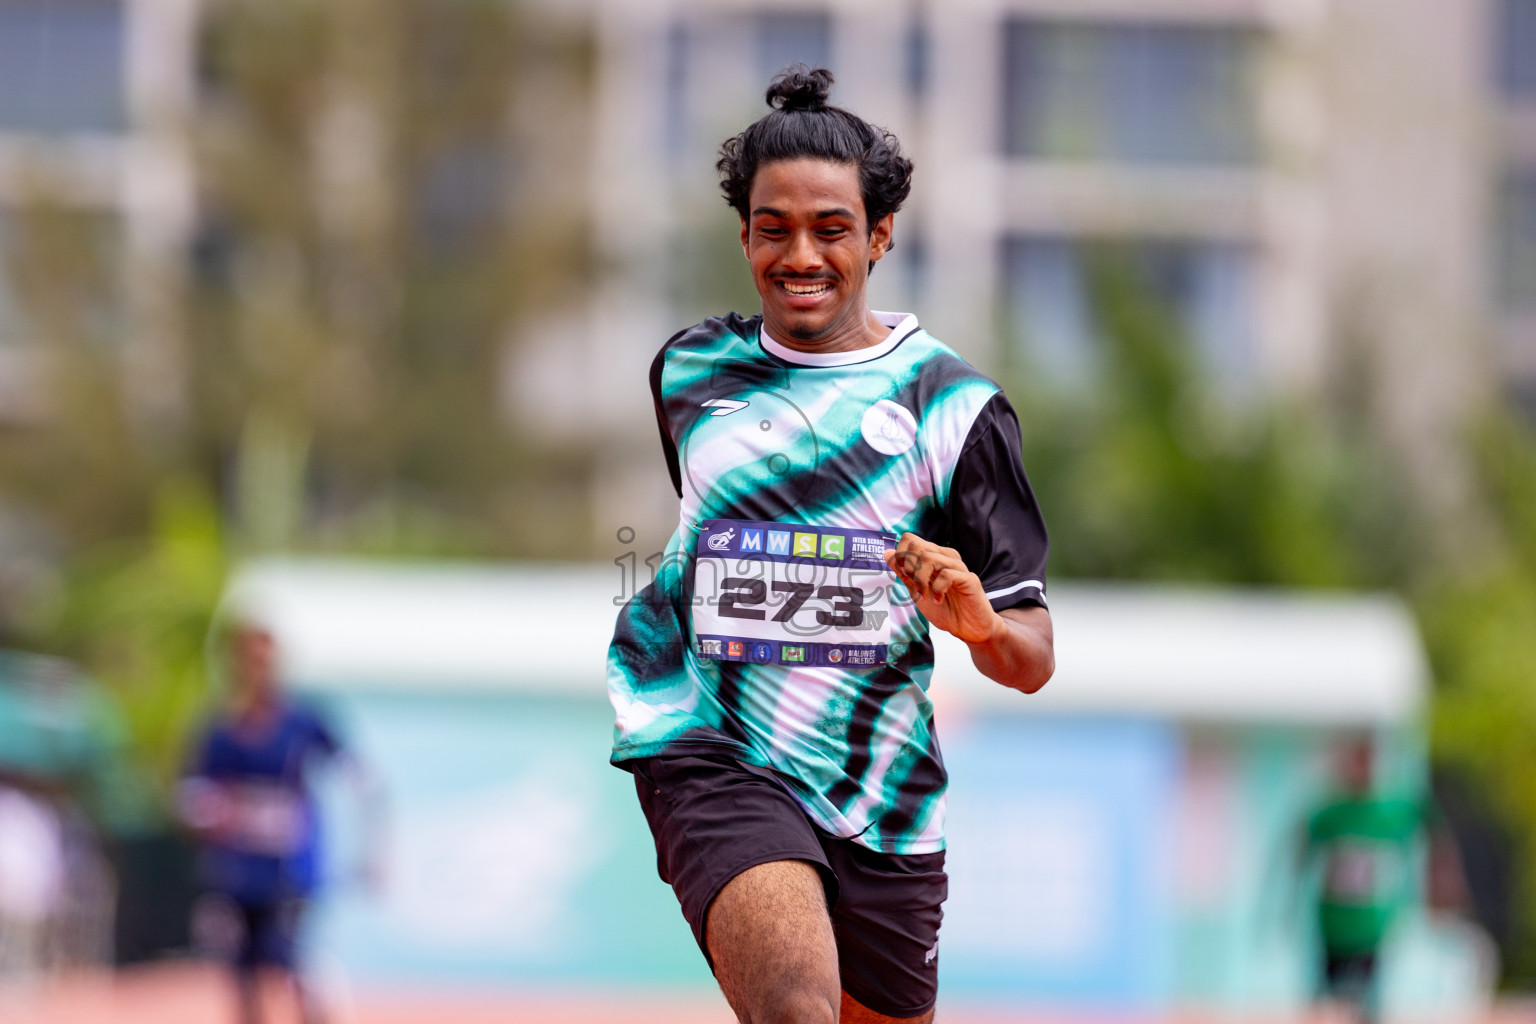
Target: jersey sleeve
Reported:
[(994, 522), (668, 446)]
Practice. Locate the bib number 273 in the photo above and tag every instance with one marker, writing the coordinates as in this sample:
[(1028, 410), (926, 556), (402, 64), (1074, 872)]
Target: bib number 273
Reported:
[(741, 598)]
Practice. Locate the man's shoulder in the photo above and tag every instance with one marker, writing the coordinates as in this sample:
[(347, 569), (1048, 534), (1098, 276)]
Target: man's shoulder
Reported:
[(710, 335), (944, 377), (691, 355)]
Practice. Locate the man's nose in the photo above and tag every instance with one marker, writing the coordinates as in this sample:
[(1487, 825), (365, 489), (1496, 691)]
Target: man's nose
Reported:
[(803, 253)]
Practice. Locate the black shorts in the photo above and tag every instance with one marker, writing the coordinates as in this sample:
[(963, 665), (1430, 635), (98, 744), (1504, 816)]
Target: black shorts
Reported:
[(1349, 972), (713, 819), (248, 935)]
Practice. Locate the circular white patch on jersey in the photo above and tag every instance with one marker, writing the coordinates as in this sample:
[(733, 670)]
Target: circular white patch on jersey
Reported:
[(889, 429)]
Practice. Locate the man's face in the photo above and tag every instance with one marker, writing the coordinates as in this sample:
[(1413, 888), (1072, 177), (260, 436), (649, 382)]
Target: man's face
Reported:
[(810, 249), (1356, 763), (254, 656)]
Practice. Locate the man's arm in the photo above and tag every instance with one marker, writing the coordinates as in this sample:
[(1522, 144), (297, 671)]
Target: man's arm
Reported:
[(1013, 647), (202, 803), (1023, 656)]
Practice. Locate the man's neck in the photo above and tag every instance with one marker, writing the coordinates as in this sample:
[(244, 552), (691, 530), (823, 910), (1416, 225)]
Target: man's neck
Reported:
[(865, 332), (256, 712)]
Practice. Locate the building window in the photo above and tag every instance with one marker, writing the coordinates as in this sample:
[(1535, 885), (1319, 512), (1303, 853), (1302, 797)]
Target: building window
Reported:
[(462, 195), (1058, 291), (13, 324), (900, 279), (1137, 93), (785, 39), (919, 56), (61, 66), (677, 116), (913, 260), (1048, 308), (1517, 48), (1517, 242)]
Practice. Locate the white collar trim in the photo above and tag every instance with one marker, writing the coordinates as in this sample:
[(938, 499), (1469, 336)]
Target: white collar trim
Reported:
[(901, 325)]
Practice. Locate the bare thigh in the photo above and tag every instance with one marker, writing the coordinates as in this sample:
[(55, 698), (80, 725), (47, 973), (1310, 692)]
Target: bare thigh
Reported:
[(770, 938)]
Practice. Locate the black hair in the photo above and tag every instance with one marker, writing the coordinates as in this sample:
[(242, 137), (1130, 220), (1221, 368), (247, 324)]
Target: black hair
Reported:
[(802, 124)]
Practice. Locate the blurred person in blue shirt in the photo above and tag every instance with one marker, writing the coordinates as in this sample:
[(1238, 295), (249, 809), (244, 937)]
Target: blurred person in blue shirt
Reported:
[(247, 797)]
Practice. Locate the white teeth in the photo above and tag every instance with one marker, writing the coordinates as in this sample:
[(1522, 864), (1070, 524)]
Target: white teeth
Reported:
[(806, 289)]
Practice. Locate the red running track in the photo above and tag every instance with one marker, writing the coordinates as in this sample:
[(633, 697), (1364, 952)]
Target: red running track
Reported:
[(188, 993)]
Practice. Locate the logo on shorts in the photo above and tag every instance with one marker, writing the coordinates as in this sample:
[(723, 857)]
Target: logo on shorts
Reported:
[(932, 955), (722, 541), (735, 648)]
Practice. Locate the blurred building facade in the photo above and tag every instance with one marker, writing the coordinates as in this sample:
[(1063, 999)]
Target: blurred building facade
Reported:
[(94, 104), (1307, 185), (1515, 208), (1317, 189)]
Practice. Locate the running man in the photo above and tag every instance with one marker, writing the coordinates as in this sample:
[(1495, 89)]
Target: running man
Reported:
[(770, 684), (1366, 842), (248, 799)]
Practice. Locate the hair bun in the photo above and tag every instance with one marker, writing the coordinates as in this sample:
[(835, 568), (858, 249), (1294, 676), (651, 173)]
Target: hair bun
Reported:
[(798, 87)]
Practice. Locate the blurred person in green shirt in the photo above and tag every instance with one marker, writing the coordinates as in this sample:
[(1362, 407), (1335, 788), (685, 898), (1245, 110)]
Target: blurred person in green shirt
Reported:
[(1367, 843)]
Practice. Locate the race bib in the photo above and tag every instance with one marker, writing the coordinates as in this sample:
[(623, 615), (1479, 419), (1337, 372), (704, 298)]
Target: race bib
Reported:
[(1362, 872), (789, 594), (265, 819)]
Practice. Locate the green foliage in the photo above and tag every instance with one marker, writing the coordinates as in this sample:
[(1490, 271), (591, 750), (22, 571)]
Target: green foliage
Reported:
[(137, 617), (1155, 476), (382, 216), (83, 466), (1480, 625)]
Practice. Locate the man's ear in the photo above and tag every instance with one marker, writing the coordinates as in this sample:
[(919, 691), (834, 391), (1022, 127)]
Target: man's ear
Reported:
[(744, 234), (880, 237)]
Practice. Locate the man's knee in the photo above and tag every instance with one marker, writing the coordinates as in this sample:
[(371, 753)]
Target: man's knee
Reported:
[(796, 1003)]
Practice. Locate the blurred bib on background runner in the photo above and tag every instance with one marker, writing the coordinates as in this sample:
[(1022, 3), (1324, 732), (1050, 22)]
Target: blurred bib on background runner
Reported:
[(790, 594), (264, 818)]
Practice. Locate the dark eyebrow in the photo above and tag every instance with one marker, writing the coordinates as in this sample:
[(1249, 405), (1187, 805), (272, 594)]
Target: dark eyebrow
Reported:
[(836, 211)]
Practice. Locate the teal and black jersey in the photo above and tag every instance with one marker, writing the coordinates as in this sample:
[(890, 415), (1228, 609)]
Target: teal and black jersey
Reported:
[(773, 632)]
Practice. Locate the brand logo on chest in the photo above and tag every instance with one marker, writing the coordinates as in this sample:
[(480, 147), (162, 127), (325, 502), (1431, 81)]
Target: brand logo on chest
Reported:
[(888, 428)]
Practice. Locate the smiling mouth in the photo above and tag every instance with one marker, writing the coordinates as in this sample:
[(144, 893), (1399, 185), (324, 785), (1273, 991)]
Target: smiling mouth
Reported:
[(807, 289)]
